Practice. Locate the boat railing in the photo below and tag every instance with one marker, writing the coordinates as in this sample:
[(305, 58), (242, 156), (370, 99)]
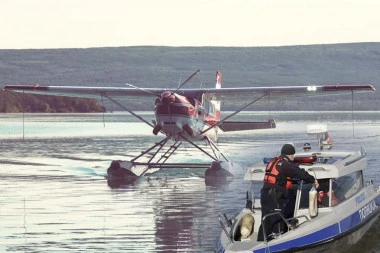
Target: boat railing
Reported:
[(288, 221), (294, 221), (229, 224), (278, 213)]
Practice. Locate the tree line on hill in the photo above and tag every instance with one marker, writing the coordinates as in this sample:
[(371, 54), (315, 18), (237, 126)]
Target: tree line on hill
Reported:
[(12, 102)]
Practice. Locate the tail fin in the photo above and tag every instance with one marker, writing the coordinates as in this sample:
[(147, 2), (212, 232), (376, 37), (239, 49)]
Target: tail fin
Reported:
[(218, 84)]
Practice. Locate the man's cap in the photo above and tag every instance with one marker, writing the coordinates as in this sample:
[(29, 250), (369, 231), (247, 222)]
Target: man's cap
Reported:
[(288, 149)]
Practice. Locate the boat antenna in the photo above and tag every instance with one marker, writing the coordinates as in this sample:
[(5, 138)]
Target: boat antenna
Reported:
[(104, 123), (268, 106), (352, 114), (23, 116)]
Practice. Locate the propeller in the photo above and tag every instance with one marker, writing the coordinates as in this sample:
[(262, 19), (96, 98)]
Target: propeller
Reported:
[(160, 95), (188, 79)]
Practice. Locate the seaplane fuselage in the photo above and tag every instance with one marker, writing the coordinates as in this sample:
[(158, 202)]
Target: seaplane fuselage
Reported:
[(178, 116)]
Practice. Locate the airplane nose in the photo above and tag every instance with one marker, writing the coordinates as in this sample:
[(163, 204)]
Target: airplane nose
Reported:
[(167, 97)]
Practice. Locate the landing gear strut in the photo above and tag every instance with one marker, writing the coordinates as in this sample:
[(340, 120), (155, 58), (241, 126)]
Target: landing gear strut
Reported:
[(156, 157)]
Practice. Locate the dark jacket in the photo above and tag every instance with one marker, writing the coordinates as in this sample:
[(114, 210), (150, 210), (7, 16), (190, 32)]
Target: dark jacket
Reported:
[(287, 168)]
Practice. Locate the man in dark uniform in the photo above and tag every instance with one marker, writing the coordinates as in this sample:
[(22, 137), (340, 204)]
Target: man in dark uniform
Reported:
[(274, 194)]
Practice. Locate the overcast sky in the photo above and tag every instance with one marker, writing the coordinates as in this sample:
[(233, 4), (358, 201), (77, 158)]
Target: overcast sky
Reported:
[(105, 23)]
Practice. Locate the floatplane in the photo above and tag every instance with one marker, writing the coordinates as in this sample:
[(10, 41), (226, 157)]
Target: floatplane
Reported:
[(186, 115)]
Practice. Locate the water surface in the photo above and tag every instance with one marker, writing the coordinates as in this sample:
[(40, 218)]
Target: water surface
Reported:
[(55, 196)]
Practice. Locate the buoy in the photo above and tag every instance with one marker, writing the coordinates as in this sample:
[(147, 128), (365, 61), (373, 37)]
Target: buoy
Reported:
[(313, 207), (246, 227)]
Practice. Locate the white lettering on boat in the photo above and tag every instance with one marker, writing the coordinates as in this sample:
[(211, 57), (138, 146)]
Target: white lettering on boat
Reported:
[(359, 199), (367, 209)]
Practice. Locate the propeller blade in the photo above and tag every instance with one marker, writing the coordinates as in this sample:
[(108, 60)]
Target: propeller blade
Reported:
[(188, 79), (151, 93)]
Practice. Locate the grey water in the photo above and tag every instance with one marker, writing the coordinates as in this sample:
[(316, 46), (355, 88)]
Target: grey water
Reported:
[(54, 195)]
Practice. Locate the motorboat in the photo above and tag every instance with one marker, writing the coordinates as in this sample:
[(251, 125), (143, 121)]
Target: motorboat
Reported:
[(336, 216)]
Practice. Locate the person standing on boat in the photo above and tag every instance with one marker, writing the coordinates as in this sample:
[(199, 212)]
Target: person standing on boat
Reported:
[(274, 195)]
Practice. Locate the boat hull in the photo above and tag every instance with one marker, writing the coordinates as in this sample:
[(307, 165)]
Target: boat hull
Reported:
[(346, 242), (329, 230)]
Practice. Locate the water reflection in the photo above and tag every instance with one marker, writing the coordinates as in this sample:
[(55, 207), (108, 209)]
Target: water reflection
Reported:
[(121, 182)]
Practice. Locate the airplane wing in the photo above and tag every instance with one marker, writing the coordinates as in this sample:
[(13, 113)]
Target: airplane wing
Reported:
[(238, 94), (218, 93), (228, 126), (290, 90)]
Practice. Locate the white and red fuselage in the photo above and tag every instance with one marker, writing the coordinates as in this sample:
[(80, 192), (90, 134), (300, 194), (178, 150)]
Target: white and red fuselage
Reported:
[(178, 115)]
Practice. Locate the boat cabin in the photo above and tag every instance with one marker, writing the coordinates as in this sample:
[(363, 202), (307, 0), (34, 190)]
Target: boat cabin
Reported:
[(339, 173), (342, 205)]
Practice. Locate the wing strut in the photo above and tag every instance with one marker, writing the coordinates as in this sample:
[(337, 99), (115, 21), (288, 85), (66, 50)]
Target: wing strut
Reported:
[(131, 112), (232, 114), (195, 145), (352, 114), (215, 148)]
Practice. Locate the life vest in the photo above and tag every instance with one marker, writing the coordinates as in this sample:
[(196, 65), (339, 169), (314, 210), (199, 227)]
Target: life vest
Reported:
[(323, 198), (272, 175)]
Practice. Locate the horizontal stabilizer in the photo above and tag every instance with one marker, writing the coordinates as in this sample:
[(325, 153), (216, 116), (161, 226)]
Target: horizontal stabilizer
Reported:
[(229, 126)]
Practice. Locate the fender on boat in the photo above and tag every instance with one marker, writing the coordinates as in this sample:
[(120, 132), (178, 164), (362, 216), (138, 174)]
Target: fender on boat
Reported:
[(246, 226), (313, 207)]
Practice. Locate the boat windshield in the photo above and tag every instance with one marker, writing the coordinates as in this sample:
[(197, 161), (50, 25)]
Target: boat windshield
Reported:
[(333, 191), (348, 185)]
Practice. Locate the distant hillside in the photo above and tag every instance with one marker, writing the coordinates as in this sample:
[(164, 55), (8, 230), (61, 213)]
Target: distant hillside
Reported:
[(357, 63), (18, 102)]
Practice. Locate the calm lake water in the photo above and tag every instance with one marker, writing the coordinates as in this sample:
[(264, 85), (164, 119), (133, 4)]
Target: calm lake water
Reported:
[(55, 196)]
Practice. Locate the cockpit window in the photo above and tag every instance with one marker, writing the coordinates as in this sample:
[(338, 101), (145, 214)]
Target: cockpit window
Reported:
[(210, 107), (348, 185)]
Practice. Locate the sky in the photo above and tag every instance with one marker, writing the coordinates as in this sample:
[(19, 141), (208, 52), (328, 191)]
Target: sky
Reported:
[(39, 24)]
